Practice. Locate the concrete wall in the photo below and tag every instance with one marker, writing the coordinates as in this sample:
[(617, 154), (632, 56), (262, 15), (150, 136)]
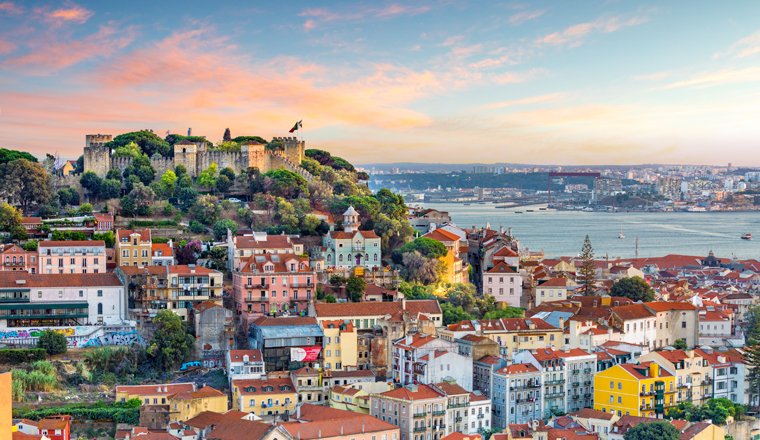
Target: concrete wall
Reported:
[(743, 430)]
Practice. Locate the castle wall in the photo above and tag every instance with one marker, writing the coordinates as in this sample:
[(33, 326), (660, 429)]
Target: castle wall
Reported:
[(97, 159), (223, 159), (186, 159), (120, 163), (162, 165), (293, 148), (276, 161)]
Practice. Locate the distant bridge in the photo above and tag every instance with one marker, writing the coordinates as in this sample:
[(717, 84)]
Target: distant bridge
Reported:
[(562, 174)]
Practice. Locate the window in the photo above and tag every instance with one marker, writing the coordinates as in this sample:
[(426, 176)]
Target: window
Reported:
[(100, 293), (81, 293), (100, 308)]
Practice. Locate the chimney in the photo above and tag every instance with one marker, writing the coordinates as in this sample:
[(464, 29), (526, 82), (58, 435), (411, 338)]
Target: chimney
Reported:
[(408, 339), (362, 428), (509, 232), (190, 131), (319, 434), (501, 230), (298, 412), (341, 429), (403, 303)]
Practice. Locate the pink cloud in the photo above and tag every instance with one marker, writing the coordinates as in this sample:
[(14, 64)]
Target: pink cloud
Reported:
[(396, 9), (51, 53), (10, 8), (530, 100), (517, 77), (575, 33), (325, 15), (522, 17), (6, 47), (72, 12)]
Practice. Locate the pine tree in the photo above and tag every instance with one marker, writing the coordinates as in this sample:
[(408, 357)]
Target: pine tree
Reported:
[(227, 136), (587, 271)]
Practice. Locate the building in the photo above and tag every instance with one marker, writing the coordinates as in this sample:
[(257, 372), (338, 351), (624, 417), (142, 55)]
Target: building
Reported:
[(133, 248), (554, 371), (457, 406), (351, 247), (152, 394), (162, 254), (607, 187), (516, 395), (480, 412), (214, 333), (244, 364), (477, 347), (504, 283), (417, 410), (597, 422), (191, 285), (312, 422), (341, 349), (349, 399), (13, 258), (455, 269), (184, 405), (422, 219), (553, 289), (55, 300), (676, 320), (427, 359), (642, 390), (637, 323), (272, 283), (483, 371), (103, 221), (692, 373), (287, 343), (72, 257), (241, 247), (56, 427), (264, 397)]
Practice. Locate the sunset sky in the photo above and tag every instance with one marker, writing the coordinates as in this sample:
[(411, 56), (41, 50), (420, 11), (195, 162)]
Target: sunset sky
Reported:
[(593, 82)]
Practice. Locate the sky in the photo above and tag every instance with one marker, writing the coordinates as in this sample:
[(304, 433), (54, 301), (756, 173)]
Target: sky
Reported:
[(565, 83)]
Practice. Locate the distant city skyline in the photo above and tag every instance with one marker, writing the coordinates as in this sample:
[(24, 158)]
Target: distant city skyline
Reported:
[(594, 83)]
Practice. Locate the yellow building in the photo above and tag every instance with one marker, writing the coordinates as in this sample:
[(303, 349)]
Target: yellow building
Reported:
[(340, 341), (455, 270), (349, 399), (264, 397), (642, 390), (692, 372), (187, 404), (6, 404), (133, 248), (152, 394)]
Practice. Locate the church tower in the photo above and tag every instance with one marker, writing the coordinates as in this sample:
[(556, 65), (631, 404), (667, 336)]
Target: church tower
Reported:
[(350, 220)]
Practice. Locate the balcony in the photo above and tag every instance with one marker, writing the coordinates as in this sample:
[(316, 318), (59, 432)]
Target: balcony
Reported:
[(256, 286), (355, 248), (439, 413), (645, 407), (588, 370), (459, 405), (419, 415), (554, 382), (437, 427), (526, 387), (576, 384), (258, 299), (480, 416), (682, 385), (588, 382), (422, 429), (458, 419), (554, 395), (588, 395), (576, 397), (575, 371)]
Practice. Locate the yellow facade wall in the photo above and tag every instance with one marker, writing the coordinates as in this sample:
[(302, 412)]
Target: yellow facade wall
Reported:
[(185, 409), (6, 406), (615, 389), (347, 347)]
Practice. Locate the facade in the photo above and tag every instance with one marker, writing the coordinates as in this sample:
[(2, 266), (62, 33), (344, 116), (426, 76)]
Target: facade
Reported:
[(214, 333), (504, 283), (272, 283), (275, 337), (427, 359), (517, 395), (597, 422), (483, 373), (61, 257), (365, 315), (28, 300), (185, 405), (162, 254), (692, 373), (241, 247), (264, 397), (421, 219), (103, 221), (244, 364), (553, 289), (480, 413), (133, 248), (417, 410), (341, 349), (607, 187), (677, 320), (56, 427), (642, 390), (351, 247), (152, 394), (581, 367), (554, 370), (637, 323), (349, 399), (455, 269), (13, 257), (191, 285)]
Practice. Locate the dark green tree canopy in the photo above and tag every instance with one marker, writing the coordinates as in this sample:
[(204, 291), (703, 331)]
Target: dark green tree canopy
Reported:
[(220, 228), (52, 342), (427, 247), (285, 183), (149, 143), (633, 288), (659, 430), (241, 139), (171, 342), (11, 155), (355, 287)]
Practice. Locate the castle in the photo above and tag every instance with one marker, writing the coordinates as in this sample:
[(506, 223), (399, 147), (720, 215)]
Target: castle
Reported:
[(195, 157)]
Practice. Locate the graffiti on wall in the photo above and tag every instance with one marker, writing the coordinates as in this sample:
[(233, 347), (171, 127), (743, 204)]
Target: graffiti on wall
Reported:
[(34, 333), (75, 336), (112, 338)]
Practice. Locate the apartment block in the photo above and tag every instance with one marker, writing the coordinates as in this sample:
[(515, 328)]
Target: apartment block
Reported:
[(67, 257)]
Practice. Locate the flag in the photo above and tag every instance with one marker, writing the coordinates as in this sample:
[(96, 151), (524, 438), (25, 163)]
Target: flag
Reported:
[(296, 127)]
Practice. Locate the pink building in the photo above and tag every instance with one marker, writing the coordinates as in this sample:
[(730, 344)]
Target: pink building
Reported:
[(104, 222), (72, 257), (12, 257), (273, 283)]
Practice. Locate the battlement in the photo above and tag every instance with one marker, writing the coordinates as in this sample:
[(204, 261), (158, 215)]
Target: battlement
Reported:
[(97, 140)]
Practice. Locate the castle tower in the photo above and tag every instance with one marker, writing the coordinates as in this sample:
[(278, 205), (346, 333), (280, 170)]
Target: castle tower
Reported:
[(350, 220), (253, 155), (293, 149), (97, 157), (185, 153)]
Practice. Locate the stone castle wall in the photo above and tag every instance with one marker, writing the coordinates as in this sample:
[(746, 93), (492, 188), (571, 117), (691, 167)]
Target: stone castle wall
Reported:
[(98, 158)]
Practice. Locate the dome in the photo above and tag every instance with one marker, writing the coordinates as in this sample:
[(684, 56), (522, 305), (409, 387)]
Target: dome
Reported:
[(350, 211)]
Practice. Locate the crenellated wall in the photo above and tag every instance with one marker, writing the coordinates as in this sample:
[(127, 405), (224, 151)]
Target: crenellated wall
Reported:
[(162, 165), (276, 161), (120, 163)]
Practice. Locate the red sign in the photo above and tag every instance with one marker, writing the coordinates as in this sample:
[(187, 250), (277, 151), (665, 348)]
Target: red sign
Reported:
[(304, 354)]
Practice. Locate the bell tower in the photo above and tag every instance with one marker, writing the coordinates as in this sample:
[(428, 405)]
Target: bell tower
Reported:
[(350, 220)]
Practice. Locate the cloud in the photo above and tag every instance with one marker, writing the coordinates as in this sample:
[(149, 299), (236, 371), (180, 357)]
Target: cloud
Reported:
[(721, 77), (450, 41), (517, 77), (6, 47), (10, 8), (513, 56), (396, 9), (574, 34), (743, 48), (71, 12), (530, 100), (522, 17), (52, 53), (325, 15)]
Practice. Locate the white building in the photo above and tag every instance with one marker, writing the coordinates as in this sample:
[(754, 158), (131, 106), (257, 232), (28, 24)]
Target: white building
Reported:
[(244, 364), (504, 283), (480, 413), (426, 359), (637, 323), (554, 289)]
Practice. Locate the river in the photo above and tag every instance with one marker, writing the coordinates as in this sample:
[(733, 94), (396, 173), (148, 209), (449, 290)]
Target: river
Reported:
[(561, 233)]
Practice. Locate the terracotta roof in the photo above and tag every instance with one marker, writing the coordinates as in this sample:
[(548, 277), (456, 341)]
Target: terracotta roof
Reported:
[(314, 413), (554, 282), (29, 422), (357, 424), (188, 270), (203, 393), (573, 352), (31, 220), (460, 436), (238, 429), (18, 435), (662, 306), (518, 369), (266, 321), (711, 316), (501, 267), (489, 359), (514, 324), (143, 233), (404, 393), (259, 385), (588, 413), (632, 370), (205, 305), (461, 326), (441, 235), (602, 356), (633, 311), (257, 262), (155, 390), (144, 270), (337, 323), (166, 250), (375, 308), (85, 243), (505, 251), (474, 338), (53, 424), (271, 242), (237, 355), (103, 217), (451, 389), (341, 235), (8, 279), (416, 342), (477, 396)]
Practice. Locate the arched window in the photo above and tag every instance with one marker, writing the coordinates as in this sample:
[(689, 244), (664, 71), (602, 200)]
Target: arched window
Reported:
[(366, 257), (329, 259), (100, 308), (7, 260), (14, 259), (375, 257), (340, 258), (21, 260)]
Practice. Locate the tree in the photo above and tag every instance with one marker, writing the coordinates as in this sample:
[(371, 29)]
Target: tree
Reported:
[(108, 237), (229, 172), (223, 184), (10, 217), (417, 268), (114, 174), (25, 181), (91, 182), (30, 246), (587, 271), (180, 171), (633, 288), (462, 295), (207, 178), (11, 155), (141, 193), (330, 299), (197, 227), (110, 189), (148, 142), (52, 342), (220, 228), (287, 184), (19, 233), (680, 344), (130, 181), (80, 165), (144, 209), (659, 430), (167, 182), (171, 343), (207, 210), (185, 182), (355, 287), (218, 258), (188, 252), (427, 247), (187, 197), (337, 281), (452, 315), (85, 209), (508, 312), (129, 150), (227, 136), (127, 206)]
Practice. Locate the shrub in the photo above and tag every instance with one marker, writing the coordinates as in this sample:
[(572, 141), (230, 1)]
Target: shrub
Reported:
[(52, 342), (151, 223), (168, 210), (15, 357), (197, 227)]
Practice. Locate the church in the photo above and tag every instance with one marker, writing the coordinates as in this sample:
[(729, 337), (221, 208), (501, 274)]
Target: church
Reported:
[(351, 247)]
